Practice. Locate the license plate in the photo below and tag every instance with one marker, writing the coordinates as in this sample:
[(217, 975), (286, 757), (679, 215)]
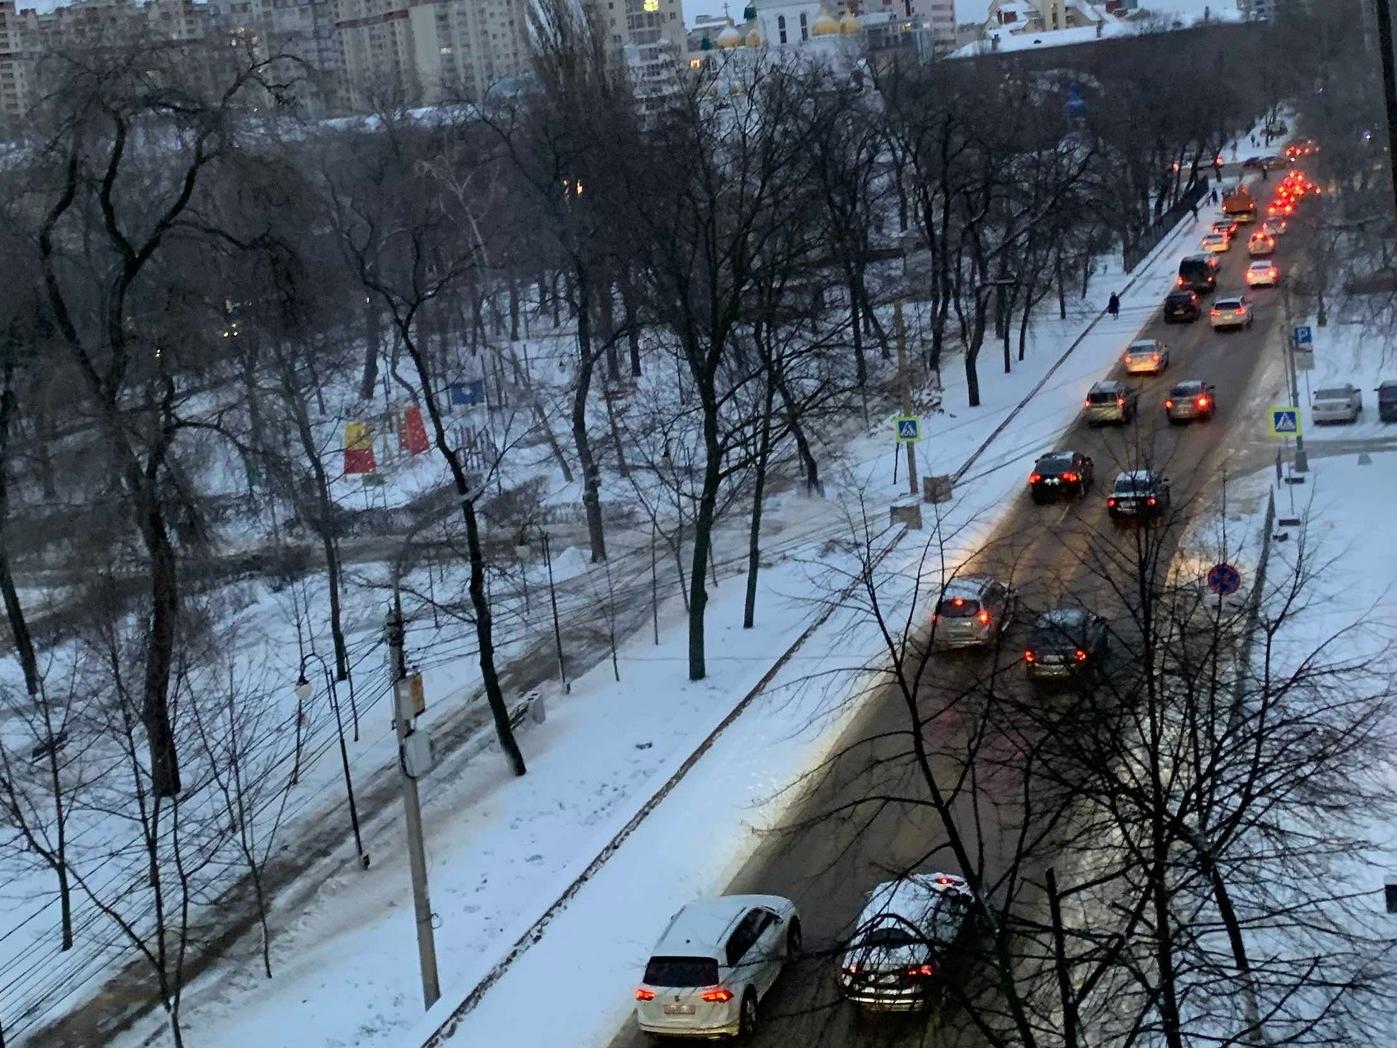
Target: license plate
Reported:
[(679, 1009), (1050, 480), (1125, 507)]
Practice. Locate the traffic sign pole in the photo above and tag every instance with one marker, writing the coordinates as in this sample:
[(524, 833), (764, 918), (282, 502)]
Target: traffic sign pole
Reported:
[(1302, 462), (906, 383)]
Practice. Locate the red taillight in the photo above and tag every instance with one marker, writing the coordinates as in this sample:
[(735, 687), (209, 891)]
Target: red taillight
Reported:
[(1120, 402), (1071, 478), (1202, 402), (851, 969), (1214, 312), (984, 618), (1080, 655), (1110, 503), (717, 995), (920, 971), (943, 879), (1178, 281), (1150, 501), (1034, 478), (642, 994), (1168, 403), (1028, 656)]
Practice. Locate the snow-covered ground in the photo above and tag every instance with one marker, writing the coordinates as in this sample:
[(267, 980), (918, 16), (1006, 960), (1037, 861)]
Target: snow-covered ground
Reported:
[(501, 849), (1346, 351)]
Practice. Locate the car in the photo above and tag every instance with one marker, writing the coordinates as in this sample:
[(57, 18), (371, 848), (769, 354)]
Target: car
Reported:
[(1263, 273), (1139, 495), (1198, 273), (1060, 473), (1188, 401), (1217, 243), (1252, 162), (972, 612), (895, 959), (1280, 207), (1275, 226), (1387, 401), (1273, 162), (1260, 243), (1336, 404), (1148, 356), (1111, 401), (1225, 225), (1182, 306), (714, 963), (1231, 312), (1066, 642)]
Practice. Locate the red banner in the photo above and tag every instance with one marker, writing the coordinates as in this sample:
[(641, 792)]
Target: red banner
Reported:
[(412, 434)]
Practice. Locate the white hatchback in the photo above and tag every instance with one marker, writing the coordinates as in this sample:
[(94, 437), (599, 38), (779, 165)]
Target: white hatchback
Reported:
[(714, 963), (1337, 404)]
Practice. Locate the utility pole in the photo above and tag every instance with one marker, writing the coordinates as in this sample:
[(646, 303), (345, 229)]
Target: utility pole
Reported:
[(905, 382), (403, 714), (1302, 462)]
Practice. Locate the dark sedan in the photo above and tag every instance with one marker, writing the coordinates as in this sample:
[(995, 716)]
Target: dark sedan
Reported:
[(1060, 473), (1065, 643)]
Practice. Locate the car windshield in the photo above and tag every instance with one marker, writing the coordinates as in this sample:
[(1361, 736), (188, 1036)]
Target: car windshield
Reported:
[(1103, 396), (1132, 485), (887, 933), (1331, 394), (958, 607), (681, 971)]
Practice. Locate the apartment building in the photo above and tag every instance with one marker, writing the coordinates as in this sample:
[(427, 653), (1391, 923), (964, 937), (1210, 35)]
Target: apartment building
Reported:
[(418, 52), (304, 29)]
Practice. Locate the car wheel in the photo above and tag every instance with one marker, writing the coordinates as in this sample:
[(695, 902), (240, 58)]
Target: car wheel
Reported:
[(793, 940), (747, 1016)]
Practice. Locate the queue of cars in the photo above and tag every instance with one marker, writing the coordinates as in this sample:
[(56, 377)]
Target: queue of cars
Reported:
[(718, 958)]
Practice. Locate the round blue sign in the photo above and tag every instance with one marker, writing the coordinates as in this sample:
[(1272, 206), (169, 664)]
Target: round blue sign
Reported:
[(1224, 579)]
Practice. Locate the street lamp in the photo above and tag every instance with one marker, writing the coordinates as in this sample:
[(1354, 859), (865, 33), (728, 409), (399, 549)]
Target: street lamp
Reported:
[(303, 694)]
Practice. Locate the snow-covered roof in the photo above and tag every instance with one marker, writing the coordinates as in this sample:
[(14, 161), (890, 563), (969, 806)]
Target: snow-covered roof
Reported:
[(1009, 41)]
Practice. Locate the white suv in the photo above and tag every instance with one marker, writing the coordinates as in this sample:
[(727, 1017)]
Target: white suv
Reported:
[(714, 964)]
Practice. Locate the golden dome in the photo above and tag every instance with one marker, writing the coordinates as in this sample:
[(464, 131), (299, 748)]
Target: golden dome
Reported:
[(754, 34), (825, 24), (850, 24), (730, 37)]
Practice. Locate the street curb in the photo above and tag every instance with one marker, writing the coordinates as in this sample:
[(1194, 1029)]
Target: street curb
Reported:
[(446, 1027)]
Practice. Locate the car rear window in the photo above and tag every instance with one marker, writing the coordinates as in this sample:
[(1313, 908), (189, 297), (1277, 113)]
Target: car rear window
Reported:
[(1048, 639), (1229, 303), (1102, 396), (681, 971), (1054, 463), (1194, 268), (1132, 487), (1186, 389), (888, 933), (1332, 394), (958, 608)]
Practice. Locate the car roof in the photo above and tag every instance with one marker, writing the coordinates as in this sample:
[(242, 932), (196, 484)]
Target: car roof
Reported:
[(1183, 292), (911, 897), (1067, 616), (1143, 343), (965, 586), (1227, 298), (701, 927), (1064, 454), (1260, 263)]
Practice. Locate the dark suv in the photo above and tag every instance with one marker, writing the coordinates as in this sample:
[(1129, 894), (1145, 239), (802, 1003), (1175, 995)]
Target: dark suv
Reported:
[(1138, 494), (1387, 401), (1065, 643), (1198, 273), (1060, 473), (1182, 306)]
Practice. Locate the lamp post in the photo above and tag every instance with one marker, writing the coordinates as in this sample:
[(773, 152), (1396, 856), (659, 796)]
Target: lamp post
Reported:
[(303, 694)]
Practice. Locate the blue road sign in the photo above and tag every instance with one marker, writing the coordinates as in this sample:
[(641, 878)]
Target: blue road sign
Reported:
[(1224, 579), (1285, 422), (1302, 336), (908, 429)]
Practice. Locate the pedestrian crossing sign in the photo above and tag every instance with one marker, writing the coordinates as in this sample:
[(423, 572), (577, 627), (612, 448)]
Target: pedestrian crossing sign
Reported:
[(1285, 422), (908, 428)]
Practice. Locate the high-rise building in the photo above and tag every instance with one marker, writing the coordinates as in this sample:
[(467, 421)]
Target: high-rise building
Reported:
[(15, 72), (302, 29), (418, 52)]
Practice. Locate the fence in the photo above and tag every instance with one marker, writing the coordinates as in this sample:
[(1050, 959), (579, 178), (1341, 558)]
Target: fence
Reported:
[(1142, 245)]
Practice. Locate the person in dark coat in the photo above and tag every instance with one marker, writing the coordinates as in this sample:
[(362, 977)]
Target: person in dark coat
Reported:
[(1113, 306)]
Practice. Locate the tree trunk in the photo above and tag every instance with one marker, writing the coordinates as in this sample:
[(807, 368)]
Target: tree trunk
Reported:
[(630, 303), (373, 346), (749, 608), (860, 364), (160, 647), (513, 305), (591, 482), (807, 457), (703, 530)]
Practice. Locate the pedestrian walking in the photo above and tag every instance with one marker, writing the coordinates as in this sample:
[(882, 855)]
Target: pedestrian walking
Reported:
[(1194, 208), (1214, 196), (1113, 305)]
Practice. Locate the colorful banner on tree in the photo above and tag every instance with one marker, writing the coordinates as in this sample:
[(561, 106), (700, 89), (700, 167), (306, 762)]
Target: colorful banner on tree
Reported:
[(412, 434), (358, 449)]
